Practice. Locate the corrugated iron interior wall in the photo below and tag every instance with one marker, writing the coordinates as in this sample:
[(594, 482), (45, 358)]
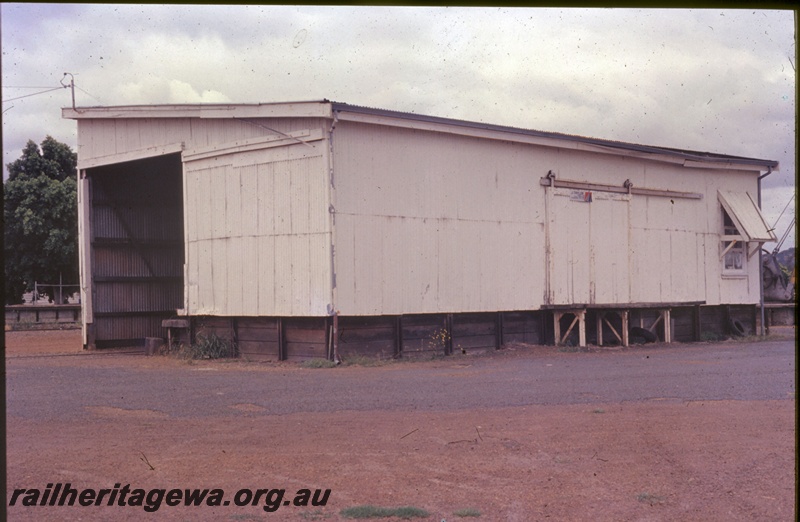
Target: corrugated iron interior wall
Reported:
[(137, 248)]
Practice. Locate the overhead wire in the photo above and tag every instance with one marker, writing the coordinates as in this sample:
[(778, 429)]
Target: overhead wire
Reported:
[(779, 244), (782, 211), (33, 94), (26, 86), (88, 94)]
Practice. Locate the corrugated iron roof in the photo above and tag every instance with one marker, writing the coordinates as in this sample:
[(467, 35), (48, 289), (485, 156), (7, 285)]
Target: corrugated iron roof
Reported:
[(683, 153)]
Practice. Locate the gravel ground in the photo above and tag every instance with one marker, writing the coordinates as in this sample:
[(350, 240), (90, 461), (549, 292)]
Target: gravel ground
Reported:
[(663, 432)]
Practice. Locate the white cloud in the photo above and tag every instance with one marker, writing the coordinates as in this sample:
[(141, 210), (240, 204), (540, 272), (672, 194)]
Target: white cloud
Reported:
[(709, 80), (182, 92), (170, 91)]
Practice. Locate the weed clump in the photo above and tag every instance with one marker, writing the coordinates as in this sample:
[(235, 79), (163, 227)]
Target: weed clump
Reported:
[(369, 511), (207, 347), (650, 498), (318, 363)]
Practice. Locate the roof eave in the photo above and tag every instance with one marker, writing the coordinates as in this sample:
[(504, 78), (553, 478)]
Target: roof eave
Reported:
[(301, 109)]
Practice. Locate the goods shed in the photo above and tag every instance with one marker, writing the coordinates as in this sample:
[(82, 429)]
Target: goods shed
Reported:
[(323, 229)]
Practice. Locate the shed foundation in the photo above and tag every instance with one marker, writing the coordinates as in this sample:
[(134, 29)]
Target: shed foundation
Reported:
[(435, 335)]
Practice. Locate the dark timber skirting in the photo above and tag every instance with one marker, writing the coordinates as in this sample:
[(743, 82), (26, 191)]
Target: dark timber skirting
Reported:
[(429, 335), (408, 336)]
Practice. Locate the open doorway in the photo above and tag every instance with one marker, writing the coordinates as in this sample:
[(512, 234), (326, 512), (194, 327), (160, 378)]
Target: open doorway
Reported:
[(137, 249)]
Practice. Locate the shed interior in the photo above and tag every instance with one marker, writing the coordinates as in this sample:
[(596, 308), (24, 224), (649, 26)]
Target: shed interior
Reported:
[(137, 249)]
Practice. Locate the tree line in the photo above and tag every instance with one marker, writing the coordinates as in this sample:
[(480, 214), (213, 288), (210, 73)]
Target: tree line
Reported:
[(40, 214)]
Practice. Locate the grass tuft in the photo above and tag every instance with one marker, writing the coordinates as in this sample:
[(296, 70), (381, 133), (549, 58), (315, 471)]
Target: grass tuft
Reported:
[(650, 498), (369, 511), (207, 347), (468, 512), (361, 360), (318, 363)]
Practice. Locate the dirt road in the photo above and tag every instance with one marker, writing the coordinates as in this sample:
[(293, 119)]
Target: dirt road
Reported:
[(682, 432)]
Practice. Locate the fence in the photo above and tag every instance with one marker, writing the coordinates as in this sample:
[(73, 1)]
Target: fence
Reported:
[(55, 292), (43, 317)]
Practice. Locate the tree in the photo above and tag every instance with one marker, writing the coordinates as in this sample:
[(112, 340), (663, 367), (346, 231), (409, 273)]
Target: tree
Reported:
[(40, 212)]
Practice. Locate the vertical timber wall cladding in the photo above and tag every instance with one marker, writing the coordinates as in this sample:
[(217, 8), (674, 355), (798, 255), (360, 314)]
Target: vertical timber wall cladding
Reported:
[(434, 223), (137, 249), (258, 233), (590, 248)]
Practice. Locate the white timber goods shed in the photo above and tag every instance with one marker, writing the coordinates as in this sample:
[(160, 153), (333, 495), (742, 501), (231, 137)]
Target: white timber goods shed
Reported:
[(323, 229)]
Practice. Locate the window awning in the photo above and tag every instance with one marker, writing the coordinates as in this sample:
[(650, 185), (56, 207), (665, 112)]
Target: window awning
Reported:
[(746, 216)]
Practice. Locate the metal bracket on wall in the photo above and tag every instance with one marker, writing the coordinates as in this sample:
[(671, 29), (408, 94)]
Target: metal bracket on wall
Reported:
[(626, 188)]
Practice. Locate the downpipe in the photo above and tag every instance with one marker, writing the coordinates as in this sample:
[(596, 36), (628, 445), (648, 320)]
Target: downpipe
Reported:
[(761, 263)]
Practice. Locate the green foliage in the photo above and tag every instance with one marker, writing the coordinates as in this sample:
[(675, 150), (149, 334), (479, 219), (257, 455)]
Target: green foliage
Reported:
[(208, 347), (40, 216), (468, 512), (368, 511), (318, 363)]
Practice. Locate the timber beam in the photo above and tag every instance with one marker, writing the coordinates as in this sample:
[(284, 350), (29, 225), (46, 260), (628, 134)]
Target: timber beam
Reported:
[(579, 318), (622, 336), (665, 316)]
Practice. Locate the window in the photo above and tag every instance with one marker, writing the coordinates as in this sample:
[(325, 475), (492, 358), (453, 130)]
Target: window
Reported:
[(734, 256), (744, 231)]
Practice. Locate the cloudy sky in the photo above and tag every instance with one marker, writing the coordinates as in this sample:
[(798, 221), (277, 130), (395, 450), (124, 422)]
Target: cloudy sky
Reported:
[(709, 80)]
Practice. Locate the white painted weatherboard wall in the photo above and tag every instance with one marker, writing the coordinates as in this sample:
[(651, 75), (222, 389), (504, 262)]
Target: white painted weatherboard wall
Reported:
[(437, 222), (258, 232), (434, 222)]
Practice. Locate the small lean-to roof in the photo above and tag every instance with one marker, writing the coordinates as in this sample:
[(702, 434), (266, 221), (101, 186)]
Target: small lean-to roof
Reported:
[(330, 109), (745, 215)]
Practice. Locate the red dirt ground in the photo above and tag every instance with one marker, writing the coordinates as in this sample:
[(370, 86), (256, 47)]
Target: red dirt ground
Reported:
[(653, 460)]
